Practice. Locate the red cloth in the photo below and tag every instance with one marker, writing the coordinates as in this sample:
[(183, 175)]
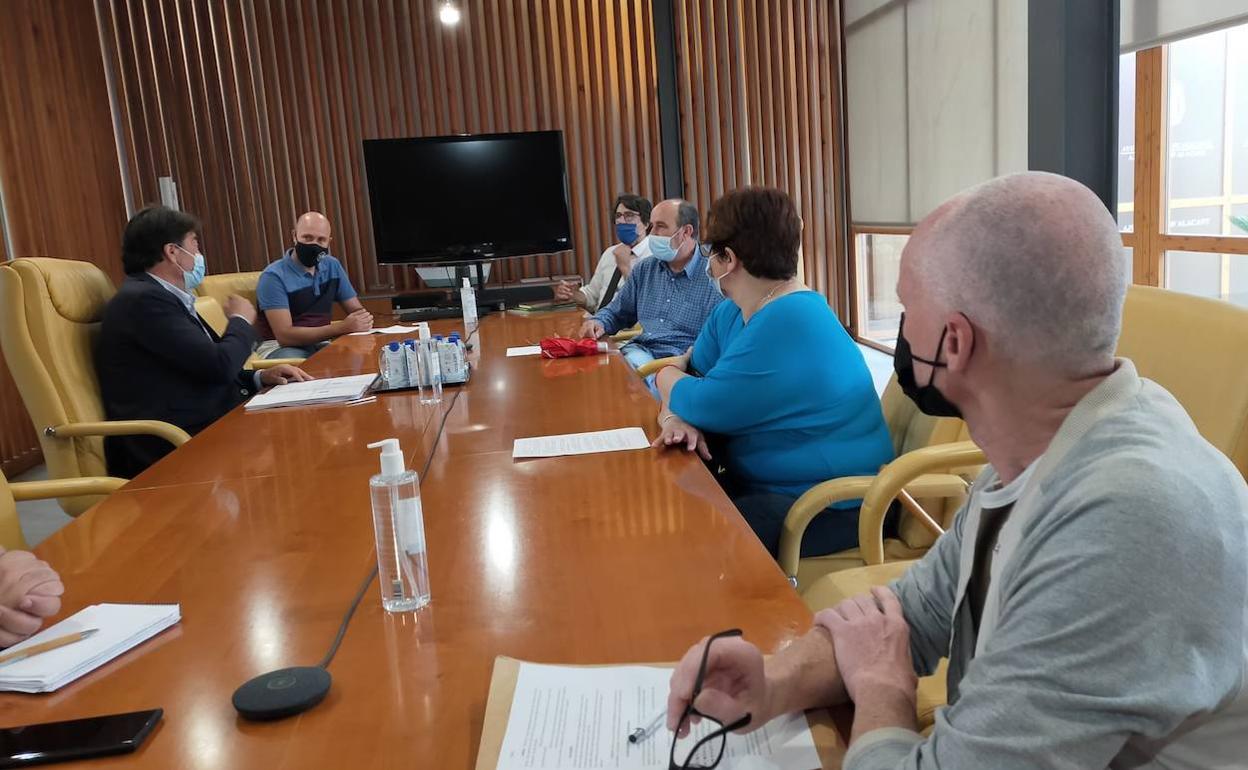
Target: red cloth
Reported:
[(562, 347)]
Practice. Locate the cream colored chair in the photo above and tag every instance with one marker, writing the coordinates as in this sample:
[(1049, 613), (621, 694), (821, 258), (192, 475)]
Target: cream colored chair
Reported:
[(650, 367), (221, 286), (213, 314), (934, 466), (624, 335), (11, 537), (1197, 349), (50, 313)]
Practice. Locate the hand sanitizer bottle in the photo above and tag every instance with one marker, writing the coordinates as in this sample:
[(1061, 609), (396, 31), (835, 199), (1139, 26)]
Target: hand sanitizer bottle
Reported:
[(402, 566)]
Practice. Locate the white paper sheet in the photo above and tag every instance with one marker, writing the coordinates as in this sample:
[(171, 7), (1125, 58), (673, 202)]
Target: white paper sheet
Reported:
[(412, 330), (578, 718), (527, 350), (618, 440)]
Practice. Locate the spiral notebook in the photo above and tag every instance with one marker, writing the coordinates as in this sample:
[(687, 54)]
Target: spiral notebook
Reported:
[(121, 628)]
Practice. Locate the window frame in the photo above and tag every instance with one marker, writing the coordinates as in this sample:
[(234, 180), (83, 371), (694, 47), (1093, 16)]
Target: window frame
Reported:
[(1150, 240)]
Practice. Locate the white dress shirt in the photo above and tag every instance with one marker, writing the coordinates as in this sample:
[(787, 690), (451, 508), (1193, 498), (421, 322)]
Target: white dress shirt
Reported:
[(597, 285)]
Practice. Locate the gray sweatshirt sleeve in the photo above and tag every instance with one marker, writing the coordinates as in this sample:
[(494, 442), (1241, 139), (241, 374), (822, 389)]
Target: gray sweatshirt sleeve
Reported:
[(927, 592), (1108, 631)]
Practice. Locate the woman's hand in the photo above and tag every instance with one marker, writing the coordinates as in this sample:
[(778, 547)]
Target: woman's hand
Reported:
[(676, 431), (682, 361)]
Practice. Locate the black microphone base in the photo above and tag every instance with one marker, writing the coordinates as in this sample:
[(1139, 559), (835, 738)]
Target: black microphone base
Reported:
[(282, 693)]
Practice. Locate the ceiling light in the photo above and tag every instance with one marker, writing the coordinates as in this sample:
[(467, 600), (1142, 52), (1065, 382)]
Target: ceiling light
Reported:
[(449, 14)]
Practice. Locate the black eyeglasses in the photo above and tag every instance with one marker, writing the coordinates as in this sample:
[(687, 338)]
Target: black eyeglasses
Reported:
[(708, 750)]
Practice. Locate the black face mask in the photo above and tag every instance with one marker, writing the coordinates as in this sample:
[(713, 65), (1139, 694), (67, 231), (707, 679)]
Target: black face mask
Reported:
[(308, 253), (927, 398)]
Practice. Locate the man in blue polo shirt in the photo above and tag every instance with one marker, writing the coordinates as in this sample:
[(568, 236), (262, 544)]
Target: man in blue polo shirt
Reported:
[(296, 294)]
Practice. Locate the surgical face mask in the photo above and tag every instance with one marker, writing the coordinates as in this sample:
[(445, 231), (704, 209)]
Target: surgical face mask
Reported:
[(626, 232), (195, 276), (719, 289), (308, 254), (661, 247), (927, 398)]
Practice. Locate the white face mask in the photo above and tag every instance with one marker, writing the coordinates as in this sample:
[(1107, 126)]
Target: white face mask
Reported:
[(715, 280)]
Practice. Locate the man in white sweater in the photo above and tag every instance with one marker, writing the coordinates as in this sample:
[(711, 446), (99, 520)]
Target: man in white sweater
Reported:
[(1092, 595)]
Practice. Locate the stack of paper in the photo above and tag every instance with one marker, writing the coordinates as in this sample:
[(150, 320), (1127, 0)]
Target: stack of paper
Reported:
[(120, 627), (331, 390)]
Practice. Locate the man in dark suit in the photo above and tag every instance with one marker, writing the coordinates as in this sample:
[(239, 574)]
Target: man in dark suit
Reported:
[(155, 358)]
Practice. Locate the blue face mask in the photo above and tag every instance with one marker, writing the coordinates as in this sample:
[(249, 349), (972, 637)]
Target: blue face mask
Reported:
[(626, 232), (195, 276), (661, 248)]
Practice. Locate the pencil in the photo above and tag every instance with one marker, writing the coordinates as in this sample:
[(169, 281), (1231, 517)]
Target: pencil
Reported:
[(51, 644)]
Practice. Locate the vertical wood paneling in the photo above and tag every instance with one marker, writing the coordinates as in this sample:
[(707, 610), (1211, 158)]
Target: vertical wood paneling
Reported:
[(760, 102), (59, 170), (258, 108)]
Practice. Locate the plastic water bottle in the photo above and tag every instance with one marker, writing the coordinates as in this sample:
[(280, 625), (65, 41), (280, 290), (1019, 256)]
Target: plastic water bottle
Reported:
[(468, 298), (411, 353), (399, 526), (430, 368), (392, 366), (461, 357)]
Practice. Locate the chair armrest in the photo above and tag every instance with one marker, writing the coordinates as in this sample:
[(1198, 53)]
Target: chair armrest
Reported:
[(835, 587), (269, 363), (169, 432), (624, 335), (909, 472), (43, 490), (807, 507), (650, 367)]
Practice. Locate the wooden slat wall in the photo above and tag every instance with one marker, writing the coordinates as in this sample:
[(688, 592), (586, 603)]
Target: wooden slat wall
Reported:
[(760, 100), (258, 109), (58, 162)]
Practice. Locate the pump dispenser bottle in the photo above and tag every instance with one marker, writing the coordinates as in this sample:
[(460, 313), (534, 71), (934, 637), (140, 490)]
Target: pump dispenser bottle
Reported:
[(402, 563)]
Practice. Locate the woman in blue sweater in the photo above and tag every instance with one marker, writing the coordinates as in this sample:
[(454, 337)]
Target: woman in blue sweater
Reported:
[(773, 378)]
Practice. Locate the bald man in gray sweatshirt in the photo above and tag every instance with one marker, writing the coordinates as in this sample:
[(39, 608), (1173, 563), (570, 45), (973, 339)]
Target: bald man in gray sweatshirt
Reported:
[(1092, 594)]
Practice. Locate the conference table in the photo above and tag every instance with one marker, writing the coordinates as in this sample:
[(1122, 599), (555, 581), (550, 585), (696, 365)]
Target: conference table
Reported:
[(261, 529)]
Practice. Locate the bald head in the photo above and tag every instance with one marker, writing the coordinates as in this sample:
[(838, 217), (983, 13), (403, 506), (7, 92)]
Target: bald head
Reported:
[(672, 214), (313, 227), (1034, 259)]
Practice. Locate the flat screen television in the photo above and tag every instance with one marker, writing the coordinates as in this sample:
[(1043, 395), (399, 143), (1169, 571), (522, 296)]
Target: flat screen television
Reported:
[(455, 199)]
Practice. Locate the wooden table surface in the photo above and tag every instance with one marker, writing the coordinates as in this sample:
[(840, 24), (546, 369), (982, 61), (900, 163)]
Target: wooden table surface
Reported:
[(261, 528)]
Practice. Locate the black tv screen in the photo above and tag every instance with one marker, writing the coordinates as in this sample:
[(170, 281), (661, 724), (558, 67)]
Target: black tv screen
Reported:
[(447, 199)]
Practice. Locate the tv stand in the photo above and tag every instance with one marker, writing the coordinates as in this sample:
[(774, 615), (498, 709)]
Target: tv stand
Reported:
[(445, 302)]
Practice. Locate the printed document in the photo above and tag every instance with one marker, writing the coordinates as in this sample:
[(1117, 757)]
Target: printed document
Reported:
[(578, 718), (618, 440)]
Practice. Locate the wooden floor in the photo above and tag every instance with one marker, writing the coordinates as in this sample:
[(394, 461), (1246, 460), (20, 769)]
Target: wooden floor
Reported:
[(261, 528)]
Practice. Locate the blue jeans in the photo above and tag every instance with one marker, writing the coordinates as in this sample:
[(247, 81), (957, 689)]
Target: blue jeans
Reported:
[(636, 356), (294, 352)]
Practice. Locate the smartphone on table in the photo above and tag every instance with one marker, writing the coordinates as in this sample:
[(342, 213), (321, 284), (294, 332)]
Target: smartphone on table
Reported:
[(100, 736)]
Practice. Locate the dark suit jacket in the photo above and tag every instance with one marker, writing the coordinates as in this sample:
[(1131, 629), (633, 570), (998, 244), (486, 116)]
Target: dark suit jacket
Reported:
[(155, 362)]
